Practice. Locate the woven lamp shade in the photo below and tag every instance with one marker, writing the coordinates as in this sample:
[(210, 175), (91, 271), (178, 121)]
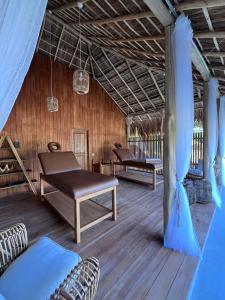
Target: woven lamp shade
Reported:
[(81, 82)]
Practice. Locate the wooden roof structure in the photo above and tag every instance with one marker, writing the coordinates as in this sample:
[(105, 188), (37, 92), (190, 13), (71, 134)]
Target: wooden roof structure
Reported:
[(123, 48)]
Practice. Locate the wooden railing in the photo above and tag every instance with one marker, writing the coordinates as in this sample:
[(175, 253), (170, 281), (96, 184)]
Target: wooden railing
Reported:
[(153, 147)]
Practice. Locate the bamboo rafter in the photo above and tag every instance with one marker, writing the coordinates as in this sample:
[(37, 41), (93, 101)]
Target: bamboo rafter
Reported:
[(129, 32)]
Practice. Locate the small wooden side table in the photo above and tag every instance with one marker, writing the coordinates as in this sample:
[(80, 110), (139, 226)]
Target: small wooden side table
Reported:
[(103, 167)]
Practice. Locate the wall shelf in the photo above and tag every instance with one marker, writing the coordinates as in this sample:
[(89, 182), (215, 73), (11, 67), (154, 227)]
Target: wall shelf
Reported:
[(6, 160), (15, 184), (7, 144), (14, 172), (7, 148)]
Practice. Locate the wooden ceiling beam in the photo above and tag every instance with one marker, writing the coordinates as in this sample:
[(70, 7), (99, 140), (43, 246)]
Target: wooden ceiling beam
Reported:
[(57, 49), (199, 4), (210, 35), (163, 15), (106, 78), (214, 54), (199, 84), (88, 41), (199, 35), (160, 11), (66, 26), (91, 62), (74, 53), (129, 17), (121, 78), (153, 113), (157, 86), (217, 68), (139, 85), (68, 6), (221, 78), (143, 52), (133, 39)]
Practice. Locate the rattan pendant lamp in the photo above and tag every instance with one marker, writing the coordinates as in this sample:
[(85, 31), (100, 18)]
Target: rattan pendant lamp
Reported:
[(80, 76), (52, 101)]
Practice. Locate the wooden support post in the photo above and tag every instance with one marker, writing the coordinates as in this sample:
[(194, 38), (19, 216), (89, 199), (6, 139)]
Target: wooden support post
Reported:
[(154, 180), (162, 13), (169, 162), (218, 158), (128, 123), (77, 221), (199, 4), (114, 216), (162, 133), (205, 131)]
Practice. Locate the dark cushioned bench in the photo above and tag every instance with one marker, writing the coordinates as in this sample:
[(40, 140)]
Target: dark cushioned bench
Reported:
[(80, 183), (62, 171), (127, 159)]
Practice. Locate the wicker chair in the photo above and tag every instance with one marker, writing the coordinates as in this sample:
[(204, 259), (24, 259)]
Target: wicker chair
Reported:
[(81, 283)]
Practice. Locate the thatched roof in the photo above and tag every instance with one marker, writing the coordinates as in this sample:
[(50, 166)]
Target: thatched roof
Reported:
[(123, 46)]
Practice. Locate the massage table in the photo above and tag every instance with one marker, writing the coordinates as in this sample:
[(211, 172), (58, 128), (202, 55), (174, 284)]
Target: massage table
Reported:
[(74, 189), (127, 159)]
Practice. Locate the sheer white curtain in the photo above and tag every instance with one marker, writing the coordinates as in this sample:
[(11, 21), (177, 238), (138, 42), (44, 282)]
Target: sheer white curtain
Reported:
[(213, 137), (20, 22), (180, 235)]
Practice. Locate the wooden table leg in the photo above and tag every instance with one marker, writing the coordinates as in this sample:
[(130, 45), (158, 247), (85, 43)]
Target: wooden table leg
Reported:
[(77, 221), (154, 180), (114, 216), (42, 189)]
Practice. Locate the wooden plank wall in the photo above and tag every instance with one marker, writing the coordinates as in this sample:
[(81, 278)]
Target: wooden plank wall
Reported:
[(34, 126)]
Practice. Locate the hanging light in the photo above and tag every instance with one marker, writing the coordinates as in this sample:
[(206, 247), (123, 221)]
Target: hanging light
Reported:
[(80, 77), (52, 102), (81, 82)]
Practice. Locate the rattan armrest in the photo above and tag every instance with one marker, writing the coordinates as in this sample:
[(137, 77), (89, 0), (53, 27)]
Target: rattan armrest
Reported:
[(81, 283), (13, 242)]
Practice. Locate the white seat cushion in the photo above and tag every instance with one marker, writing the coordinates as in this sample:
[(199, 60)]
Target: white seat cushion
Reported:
[(38, 271)]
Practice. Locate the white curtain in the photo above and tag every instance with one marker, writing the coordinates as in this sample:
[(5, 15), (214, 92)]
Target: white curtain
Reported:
[(180, 235), (20, 22), (222, 143), (213, 137)]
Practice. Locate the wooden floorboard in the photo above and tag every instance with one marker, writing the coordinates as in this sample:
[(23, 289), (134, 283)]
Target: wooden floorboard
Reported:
[(134, 265)]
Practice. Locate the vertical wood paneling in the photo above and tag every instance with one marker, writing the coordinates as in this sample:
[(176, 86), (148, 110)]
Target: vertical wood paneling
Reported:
[(34, 126)]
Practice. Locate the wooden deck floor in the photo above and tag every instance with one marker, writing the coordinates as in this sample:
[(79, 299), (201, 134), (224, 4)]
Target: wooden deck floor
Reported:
[(134, 265)]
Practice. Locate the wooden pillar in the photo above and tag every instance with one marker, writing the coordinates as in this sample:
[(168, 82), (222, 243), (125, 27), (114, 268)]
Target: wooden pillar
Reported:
[(162, 133), (128, 123), (169, 162), (218, 158), (205, 131), (128, 132)]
